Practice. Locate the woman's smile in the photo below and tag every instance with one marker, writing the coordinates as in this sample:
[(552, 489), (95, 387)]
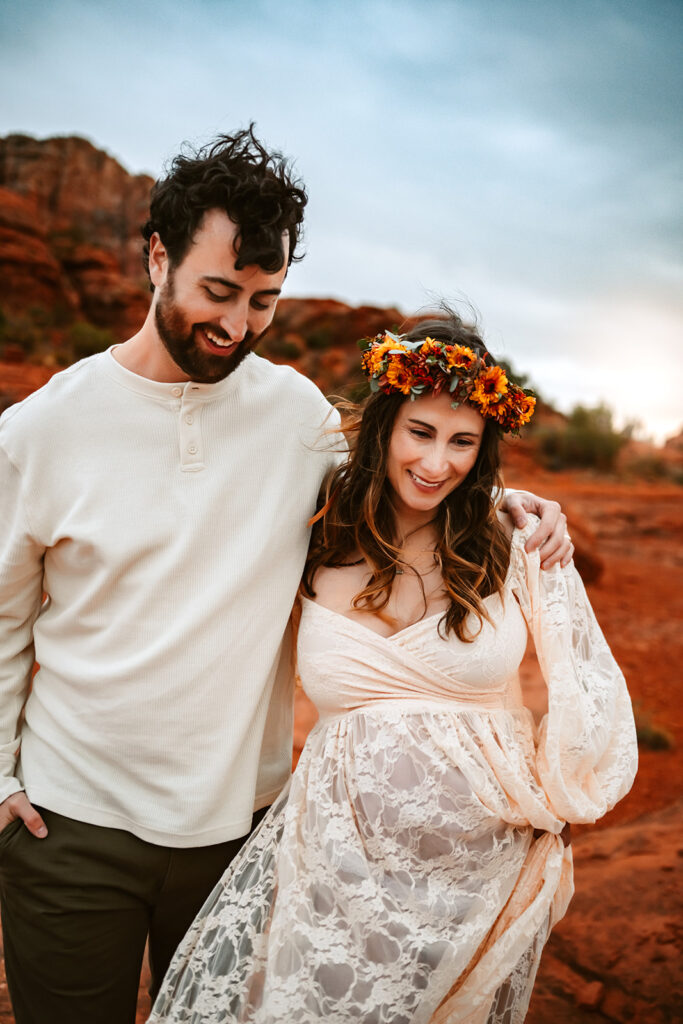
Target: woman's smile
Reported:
[(425, 485)]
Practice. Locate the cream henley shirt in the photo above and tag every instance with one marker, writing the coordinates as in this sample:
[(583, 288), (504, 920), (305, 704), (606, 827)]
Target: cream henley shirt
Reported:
[(166, 523)]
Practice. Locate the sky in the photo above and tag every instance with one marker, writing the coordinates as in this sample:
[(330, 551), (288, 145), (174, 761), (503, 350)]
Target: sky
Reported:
[(521, 158)]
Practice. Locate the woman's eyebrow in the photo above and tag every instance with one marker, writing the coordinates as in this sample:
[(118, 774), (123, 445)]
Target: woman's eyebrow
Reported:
[(430, 426), (421, 423)]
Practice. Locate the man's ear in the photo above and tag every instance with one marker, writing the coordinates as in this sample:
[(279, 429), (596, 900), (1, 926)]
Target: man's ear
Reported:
[(158, 260)]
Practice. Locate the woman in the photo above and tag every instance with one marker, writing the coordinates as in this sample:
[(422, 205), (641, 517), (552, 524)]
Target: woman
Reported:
[(413, 867)]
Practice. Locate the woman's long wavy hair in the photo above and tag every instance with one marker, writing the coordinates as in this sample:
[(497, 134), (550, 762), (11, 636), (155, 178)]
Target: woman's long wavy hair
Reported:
[(472, 547)]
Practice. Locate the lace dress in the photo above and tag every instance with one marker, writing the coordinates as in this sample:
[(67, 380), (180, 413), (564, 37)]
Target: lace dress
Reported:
[(396, 880)]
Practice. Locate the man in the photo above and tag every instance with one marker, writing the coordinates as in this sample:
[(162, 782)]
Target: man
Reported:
[(158, 494)]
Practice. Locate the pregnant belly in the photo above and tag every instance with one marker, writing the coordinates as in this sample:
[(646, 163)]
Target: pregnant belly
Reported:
[(388, 787)]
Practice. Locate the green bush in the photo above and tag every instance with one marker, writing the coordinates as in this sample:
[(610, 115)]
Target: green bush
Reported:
[(283, 349), (84, 339), (589, 439), (649, 467), (19, 332), (649, 735), (319, 340)]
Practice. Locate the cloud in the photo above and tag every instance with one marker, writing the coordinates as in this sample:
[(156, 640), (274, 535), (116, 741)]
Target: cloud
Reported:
[(524, 155)]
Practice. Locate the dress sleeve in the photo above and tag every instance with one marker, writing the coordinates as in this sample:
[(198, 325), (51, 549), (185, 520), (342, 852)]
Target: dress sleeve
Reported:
[(587, 752), (21, 582)]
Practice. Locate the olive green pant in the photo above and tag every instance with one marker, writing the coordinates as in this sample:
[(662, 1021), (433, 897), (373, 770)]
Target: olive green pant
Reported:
[(77, 908)]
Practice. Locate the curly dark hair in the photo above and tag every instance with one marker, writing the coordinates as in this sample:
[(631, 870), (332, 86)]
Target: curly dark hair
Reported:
[(237, 174)]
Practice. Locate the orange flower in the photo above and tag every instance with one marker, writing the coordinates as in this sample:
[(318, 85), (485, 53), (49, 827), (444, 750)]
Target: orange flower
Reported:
[(429, 347), (489, 387), (399, 376), (525, 406), (379, 351), (433, 366), (460, 355)]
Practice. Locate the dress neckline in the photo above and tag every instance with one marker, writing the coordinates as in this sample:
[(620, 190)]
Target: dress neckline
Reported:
[(418, 622), (373, 632)]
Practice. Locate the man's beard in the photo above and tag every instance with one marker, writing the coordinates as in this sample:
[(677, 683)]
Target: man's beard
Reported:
[(178, 337)]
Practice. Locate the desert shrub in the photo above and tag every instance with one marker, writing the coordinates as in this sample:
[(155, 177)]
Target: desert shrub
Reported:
[(19, 332), (650, 736), (40, 317), (589, 439), (283, 349), (84, 339), (654, 468), (649, 466), (319, 340)]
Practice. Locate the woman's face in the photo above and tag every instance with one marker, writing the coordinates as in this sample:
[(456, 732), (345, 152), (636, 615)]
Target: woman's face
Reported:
[(432, 449)]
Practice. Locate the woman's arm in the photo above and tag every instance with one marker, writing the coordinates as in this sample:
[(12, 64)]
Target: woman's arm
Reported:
[(587, 751)]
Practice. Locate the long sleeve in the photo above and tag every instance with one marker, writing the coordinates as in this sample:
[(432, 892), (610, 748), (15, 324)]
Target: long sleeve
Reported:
[(587, 751), (167, 524), (21, 576)]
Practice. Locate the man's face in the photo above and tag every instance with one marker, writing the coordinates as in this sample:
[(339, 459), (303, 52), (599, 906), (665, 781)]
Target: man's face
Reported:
[(207, 314)]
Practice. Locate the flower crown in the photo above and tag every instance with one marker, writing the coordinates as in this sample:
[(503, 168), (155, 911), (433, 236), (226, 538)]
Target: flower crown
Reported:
[(392, 363)]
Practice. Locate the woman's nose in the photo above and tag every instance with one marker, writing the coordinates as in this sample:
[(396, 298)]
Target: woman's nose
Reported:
[(435, 462)]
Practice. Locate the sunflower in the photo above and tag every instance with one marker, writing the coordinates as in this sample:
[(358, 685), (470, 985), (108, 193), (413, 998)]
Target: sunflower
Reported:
[(489, 387), (399, 376), (429, 347), (379, 351), (525, 409), (460, 355)]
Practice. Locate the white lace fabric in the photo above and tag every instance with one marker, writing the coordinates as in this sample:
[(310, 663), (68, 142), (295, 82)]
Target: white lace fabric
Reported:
[(396, 880)]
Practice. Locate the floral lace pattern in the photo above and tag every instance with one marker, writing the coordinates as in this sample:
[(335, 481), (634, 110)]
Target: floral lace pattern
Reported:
[(396, 880)]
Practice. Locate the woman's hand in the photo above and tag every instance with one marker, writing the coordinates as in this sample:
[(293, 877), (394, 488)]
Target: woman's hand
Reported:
[(551, 537)]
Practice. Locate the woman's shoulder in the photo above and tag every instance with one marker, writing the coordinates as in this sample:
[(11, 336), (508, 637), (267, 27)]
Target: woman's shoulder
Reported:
[(337, 585)]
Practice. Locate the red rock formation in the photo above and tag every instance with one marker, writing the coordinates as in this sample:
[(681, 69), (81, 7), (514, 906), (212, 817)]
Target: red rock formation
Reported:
[(30, 274), (107, 298), (70, 241), (81, 193)]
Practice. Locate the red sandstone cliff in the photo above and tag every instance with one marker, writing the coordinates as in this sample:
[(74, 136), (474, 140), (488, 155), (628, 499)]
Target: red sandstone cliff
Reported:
[(70, 245), (80, 193)]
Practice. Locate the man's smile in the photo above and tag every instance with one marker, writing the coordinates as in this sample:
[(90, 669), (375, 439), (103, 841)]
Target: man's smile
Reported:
[(216, 342)]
